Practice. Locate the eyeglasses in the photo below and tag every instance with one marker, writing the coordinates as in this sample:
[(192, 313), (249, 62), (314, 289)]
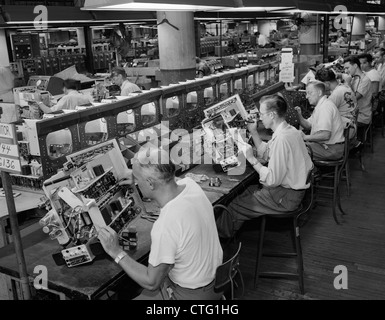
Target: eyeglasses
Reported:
[(260, 114)]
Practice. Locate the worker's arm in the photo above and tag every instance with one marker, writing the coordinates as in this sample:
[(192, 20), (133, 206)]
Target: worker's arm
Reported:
[(147, 277), (252, 127), (302, 121), (358, 96), (375, 88), (44, 108)]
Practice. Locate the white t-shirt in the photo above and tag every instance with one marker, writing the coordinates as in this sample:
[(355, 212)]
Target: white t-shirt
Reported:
[(326, 117), (381, 71), (363, 86), (71, 100), (128, 87), (262, 40), (345, 100), (374, 76), (185, 235)]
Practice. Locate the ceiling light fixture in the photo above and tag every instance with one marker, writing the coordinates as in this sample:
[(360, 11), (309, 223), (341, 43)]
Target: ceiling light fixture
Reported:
[(259, 6), (156, 5)]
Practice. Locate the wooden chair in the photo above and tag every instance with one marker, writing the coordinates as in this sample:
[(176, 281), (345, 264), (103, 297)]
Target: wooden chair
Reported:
[(367, 141), (220, 209), (226, 274), (337, 166)]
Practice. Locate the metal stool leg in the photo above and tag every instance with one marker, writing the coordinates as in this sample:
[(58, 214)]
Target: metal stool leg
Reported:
[(260, 248), (347, 173), (335, 185), (382, 121), (298, 251), (371, 138), (361, 161), (338, 191)]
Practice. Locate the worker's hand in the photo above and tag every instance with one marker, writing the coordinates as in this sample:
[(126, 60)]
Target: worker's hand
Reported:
[(127, 178), (299, 111), (346, 78), (37, 98), (34, 110), (252, 127), (245, 148), (109, 240), (249, 152)]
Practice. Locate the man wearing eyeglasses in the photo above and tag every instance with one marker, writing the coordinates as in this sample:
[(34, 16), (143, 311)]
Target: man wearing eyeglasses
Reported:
[(326, 137), (284, 179), (119, 78)]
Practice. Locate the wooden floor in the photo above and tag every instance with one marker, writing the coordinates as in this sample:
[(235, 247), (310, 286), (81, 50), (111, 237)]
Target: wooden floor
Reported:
[(358, 243)]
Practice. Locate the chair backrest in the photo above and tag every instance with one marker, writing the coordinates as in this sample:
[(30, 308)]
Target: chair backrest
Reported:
[(367, 129), (349, 126), (227, 271)]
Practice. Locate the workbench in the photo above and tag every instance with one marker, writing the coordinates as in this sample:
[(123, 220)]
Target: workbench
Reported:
[(27, 200), (91, 281)]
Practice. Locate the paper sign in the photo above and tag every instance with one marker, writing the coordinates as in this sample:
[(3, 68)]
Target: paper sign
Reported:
[(9, 150), (6, 131), (10, 165)]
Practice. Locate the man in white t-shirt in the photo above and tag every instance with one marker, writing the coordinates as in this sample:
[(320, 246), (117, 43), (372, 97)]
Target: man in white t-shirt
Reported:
[(185, 248), (342, 96), (261, 39), (326, 137), (71, 99), (119, 78)]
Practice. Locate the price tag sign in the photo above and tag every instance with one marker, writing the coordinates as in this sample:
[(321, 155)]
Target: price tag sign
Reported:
[(6, 131), (9, 149), (10, 165)]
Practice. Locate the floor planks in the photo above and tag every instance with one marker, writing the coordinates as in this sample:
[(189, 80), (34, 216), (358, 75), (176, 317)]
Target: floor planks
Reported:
[(358, 243)]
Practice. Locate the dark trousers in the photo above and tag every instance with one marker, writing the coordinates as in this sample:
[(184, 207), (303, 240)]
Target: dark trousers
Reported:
[(171, 291), (361, 128), (326, 151), (255, 202)]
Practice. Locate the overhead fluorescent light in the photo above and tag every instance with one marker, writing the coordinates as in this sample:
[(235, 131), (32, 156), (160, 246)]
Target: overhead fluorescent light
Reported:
[(49, 21), (305, 11), (254, 9), (224, 20), (259, 6), (156, 5), (326, 12)]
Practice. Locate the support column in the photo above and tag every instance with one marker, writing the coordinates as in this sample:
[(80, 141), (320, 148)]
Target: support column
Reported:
[(176, 47), (4, 59), (197, 27), (89, 53), (381, 26), (264, 27), (309, 39), (358, 30), (80, 36), (309, 35), (325, 43)]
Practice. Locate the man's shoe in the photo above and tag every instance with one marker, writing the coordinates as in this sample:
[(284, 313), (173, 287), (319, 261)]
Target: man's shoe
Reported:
[(356, 149)]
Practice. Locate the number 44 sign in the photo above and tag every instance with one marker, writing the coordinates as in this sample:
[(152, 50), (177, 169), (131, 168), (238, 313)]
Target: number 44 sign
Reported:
[(9, 150)]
